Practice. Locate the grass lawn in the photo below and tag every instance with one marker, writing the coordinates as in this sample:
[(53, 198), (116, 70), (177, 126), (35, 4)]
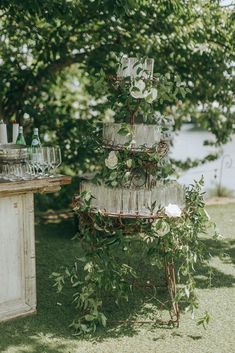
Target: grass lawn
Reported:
[(48, 331)]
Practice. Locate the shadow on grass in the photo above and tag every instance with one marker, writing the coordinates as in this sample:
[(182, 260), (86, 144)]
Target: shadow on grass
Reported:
[(209, 276), (54, 249)]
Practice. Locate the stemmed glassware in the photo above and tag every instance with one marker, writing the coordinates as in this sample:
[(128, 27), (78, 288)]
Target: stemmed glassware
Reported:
[(54, 155), (44, 160), (41, 162)]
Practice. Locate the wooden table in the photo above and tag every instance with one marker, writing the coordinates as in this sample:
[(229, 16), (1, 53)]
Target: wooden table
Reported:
[(17, 244)]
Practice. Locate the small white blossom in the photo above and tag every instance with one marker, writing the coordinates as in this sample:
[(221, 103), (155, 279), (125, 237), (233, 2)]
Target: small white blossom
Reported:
[(26, 116), (222, 118), (75, 105), (108, 116), (112, 160), (173, 210)]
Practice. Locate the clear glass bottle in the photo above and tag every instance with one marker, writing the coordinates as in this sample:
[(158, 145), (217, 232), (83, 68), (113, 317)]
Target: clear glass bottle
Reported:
[(35, 139), (20, 138)]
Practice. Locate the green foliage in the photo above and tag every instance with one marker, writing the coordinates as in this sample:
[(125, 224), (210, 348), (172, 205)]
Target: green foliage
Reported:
[(204, 320), (137, 96), (134, 167), (51, 53), (106, 273), (37, 333), (141, 96)]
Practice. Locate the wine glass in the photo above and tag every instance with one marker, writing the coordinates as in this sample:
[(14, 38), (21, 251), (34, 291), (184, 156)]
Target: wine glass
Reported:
[(58, 158), (33, 157), (54, 158), (44, 160), (37, 161)]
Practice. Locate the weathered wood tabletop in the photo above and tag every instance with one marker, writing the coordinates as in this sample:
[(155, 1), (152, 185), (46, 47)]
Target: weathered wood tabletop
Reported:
[(44, 185)]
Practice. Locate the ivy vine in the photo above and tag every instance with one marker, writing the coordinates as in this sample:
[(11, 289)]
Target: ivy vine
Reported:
[(100, 271)]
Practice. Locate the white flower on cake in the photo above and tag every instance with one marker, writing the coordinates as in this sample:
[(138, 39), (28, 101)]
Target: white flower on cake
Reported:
[(152, 95), (127, 175), (173, 210), (137, 89), (112, 160), (129, 163)]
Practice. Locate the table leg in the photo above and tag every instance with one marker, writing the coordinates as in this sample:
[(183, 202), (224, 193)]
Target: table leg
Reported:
[(17, 256)]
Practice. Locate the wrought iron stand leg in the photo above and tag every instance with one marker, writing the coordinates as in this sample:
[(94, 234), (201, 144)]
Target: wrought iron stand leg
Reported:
[(171, 283)]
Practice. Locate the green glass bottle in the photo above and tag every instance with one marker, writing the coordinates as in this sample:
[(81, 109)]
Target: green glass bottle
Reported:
[(35, 139), (20, 138)]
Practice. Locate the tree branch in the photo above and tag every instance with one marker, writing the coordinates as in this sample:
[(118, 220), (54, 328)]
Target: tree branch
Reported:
[(60, 64), (57, 66), (1, 113), (50, 70)]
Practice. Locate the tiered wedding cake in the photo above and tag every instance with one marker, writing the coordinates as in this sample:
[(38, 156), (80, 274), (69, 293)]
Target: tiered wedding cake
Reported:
[(131, 183)]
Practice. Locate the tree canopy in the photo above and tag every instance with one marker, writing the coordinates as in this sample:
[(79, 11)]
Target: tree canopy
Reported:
[(52, 51)]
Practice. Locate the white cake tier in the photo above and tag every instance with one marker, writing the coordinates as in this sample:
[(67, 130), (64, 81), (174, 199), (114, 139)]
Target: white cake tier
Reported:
[(135, 201), (133, 68), (143, 136)]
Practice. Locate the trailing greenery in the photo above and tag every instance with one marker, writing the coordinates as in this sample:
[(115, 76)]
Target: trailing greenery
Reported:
[(48, 331), (164, 236), (106, 273)]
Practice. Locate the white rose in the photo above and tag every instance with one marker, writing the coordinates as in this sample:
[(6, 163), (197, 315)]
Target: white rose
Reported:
[(127, 175), (112, 160), (129, 163), (137, 89), (152, 95), (173, 210)]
